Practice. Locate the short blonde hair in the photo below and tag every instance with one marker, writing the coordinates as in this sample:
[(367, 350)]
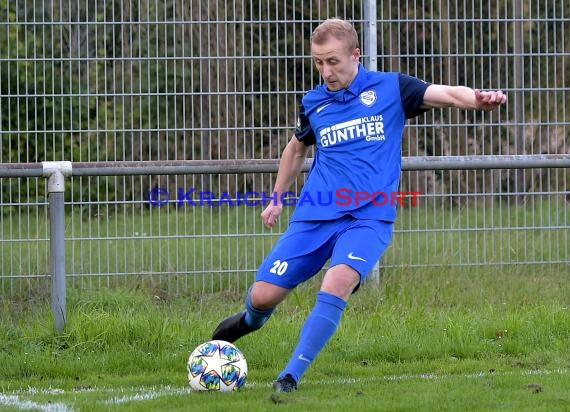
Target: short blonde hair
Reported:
[(337, 28)]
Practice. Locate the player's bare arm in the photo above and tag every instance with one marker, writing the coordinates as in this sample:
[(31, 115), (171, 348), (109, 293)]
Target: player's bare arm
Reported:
[(462, 97), (292, 161)]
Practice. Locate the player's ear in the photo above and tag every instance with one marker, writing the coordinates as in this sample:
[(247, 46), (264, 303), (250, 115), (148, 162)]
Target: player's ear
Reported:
[(356, 54)]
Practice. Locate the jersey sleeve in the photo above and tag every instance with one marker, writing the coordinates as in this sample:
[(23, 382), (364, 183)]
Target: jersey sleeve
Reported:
[(303, 131), (412, 92)]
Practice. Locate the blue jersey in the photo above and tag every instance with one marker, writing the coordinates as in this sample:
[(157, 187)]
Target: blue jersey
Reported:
[(358, 133)]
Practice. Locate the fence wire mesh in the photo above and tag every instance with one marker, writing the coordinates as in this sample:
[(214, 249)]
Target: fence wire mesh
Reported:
[(208, 80)]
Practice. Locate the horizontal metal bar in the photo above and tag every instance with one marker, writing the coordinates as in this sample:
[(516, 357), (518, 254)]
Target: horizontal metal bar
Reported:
[(486, 162), (21, 170), (178, 167), (238, 166)]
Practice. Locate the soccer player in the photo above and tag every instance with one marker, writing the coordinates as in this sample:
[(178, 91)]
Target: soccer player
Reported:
[(356, 120)]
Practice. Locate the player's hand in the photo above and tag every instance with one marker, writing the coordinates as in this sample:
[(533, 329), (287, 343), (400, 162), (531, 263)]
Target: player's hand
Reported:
[(271, 214), (489, 100)]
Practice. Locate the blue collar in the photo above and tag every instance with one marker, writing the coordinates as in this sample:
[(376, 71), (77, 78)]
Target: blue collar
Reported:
[(352, 90)]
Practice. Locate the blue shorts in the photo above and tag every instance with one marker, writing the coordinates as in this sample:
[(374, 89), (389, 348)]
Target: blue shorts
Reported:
[(304, 248)]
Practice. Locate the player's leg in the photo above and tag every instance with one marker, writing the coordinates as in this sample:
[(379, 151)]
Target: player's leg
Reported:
[(320, 326), (260, 302), (355, 254), (296, 257)]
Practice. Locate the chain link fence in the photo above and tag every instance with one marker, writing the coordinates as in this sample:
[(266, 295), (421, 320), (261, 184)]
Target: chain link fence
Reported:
[(213, 81)]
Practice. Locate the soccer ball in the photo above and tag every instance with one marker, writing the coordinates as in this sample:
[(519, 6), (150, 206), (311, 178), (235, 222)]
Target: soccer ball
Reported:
[(217, 365)]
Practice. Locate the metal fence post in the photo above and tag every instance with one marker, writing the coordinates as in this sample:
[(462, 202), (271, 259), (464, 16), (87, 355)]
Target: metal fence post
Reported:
[(370, 35), (56, 172), (370, 50)]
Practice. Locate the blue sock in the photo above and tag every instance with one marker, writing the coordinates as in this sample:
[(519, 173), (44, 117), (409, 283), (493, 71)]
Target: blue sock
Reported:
[(255, 318), (319, 327)]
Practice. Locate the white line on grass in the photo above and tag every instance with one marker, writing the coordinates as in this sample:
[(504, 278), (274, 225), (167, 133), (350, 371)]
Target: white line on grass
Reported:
[(145, 395), (15, 401), (476, 375), (149, 393), (153, 393), (43, 391), (433, 376)]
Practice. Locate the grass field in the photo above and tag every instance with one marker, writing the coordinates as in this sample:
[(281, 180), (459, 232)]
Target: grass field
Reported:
[(471, 338), (450, 343)]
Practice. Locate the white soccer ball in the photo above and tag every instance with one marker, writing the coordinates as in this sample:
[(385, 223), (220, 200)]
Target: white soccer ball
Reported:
[(217, 365)]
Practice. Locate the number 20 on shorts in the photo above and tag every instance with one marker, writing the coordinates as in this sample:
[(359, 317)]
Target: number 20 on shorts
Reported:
[(279, 267)]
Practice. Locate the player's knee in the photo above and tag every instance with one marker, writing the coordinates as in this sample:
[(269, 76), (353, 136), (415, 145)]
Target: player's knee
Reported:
[(259, 304), (341, 280), (265, 296)]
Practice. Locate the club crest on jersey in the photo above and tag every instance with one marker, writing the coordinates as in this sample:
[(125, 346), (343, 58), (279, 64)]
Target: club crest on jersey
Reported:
[(368, 97)]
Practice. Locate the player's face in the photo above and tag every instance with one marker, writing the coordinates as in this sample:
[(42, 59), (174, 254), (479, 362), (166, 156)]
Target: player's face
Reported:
[(337, 64)]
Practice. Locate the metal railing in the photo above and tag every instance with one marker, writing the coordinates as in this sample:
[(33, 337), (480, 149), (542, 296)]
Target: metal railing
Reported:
[(56, 172)]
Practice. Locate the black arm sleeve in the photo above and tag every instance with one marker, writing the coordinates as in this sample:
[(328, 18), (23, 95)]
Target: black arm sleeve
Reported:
[(412, 92), (303, 131)]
